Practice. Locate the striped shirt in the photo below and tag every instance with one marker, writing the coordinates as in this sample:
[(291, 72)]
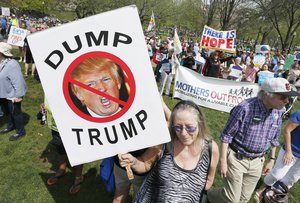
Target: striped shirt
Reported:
[(167, 182), (251, 128)]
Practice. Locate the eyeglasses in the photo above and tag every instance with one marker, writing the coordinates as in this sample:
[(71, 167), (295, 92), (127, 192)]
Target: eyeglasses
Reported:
[(188, 129), (283, 97)]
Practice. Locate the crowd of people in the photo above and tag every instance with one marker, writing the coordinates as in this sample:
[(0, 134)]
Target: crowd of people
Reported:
[(182, 170)]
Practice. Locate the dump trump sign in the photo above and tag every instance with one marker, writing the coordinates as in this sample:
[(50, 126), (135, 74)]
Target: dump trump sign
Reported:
[(96, 87)]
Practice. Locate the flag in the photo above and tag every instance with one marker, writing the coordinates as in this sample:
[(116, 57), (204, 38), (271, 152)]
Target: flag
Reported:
[(177, 44), (151, 23)]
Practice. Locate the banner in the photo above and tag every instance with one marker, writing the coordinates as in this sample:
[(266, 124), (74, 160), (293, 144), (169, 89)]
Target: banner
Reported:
[(218, 40), (96, 87), (17, 36), (151, 23), (218, 94), (5, 11), (262, 49)]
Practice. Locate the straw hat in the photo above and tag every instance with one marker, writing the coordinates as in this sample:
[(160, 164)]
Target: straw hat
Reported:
[(5, 49)]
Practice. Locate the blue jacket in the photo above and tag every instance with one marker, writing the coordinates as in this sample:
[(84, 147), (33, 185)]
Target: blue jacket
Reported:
[(3, 23), (12, 83)]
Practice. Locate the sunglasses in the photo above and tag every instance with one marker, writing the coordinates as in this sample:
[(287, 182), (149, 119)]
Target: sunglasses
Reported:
[(188, 129), (283, 97)]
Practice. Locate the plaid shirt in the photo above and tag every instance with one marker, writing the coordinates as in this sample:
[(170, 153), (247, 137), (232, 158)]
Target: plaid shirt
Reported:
[(252, 129)]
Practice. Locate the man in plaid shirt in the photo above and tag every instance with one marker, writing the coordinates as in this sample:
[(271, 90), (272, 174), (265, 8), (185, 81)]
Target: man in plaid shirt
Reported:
[(252, 130)]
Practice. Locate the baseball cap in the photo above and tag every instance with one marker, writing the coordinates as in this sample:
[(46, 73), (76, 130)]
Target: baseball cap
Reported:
[(279, 86)]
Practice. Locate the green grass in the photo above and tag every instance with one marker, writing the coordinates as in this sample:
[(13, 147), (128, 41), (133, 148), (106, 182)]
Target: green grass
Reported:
[(26, 164)]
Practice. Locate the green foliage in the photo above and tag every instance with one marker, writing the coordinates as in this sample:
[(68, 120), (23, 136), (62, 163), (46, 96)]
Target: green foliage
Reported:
[(28, 4), (253, 19)]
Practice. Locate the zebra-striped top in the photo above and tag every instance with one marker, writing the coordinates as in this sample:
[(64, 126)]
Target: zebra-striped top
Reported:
[(167, 182)]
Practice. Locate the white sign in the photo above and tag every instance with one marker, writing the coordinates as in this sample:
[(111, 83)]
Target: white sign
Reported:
[(218, 40), (5, 11), (17, 36), (259, 60), (104, 98), (262, 49), (213, 93), (236, 73)]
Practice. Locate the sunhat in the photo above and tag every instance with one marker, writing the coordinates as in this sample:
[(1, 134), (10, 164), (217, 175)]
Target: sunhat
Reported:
[(5, 49)]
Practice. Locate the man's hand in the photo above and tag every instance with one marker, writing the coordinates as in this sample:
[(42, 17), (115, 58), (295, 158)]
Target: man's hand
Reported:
[(223, 168), (16, 100), (268, 167)]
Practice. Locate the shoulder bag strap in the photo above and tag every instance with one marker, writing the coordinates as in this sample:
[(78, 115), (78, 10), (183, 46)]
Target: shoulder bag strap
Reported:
[(203, 192)]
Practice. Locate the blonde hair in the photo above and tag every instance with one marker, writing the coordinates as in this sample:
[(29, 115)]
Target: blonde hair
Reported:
[(185, 105)]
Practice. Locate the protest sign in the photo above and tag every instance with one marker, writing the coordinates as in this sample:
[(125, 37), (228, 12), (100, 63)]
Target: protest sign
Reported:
[(218, 94), (262, 75), (218, 40), (5, 11), (259, 60), (236, 72), (16, 36), (288, 62), (297, 55), (262, 49), (96, 87)]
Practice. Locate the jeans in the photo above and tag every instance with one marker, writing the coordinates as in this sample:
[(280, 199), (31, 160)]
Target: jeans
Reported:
[(15, 117)]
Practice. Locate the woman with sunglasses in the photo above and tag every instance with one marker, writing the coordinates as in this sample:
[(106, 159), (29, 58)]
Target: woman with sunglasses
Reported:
[(185, 167)]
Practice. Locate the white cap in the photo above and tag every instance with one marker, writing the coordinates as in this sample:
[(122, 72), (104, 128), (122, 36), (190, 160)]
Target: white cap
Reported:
[(279, 86)]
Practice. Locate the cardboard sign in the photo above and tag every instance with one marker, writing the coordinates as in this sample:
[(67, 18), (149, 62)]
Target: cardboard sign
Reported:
[(288, 62), (17, 36), (218, 40), (263, 75), (236, 72), (103, 97), (262, 49), (5, 11), (218, 94), (297, 55), (259, 60)]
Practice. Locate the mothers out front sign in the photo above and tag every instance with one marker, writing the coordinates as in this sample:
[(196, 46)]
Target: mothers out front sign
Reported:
[(96, 86)]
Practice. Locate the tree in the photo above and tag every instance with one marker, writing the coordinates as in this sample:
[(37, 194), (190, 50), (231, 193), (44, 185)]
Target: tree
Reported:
[(209, 9), (227, 10), (27, 5), (284, 16)]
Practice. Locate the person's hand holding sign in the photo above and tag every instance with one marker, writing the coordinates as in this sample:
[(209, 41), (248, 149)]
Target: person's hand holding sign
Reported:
[(127, 160)]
